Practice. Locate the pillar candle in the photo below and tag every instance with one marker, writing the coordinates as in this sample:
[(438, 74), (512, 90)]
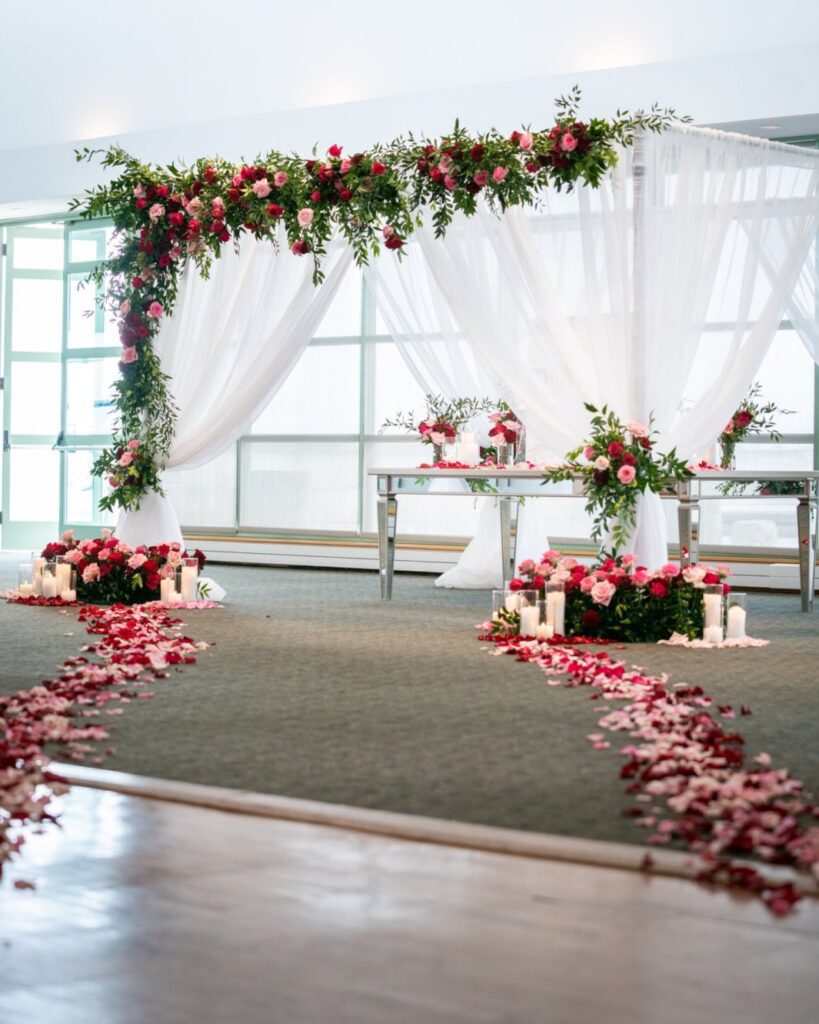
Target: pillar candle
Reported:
[(713, 610), (26, 589), (544, 631), (166, 588), (712, 634), (188, 586), (512, 602), (37, 567), (63, 576), (529, 620), (49, 585), (556, 611), (69, 595), (736, 622)]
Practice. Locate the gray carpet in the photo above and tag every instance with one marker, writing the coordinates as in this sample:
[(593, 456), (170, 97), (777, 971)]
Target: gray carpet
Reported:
[(317, 689)]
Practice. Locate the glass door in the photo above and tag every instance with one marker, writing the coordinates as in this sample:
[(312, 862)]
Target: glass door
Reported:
[(89, 369), (32, 370)]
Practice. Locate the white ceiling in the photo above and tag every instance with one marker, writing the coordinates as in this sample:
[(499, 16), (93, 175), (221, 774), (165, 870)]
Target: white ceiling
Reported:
[(71, 71)]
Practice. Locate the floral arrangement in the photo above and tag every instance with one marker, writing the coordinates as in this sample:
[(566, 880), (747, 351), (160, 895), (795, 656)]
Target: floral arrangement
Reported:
[(167, 216), (442, 421), (506, 427), (130, 471), (618, 462), (752, 417), (617, 599), (110, 571)]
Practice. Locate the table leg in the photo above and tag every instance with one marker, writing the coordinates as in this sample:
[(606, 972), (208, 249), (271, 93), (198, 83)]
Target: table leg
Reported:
[(806, 528), (688, 518), (387, 516), (508, 521)]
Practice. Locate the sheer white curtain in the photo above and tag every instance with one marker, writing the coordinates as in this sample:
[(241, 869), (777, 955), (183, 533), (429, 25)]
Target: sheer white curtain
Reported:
[(228, 347), (659, 292), (443, 361)]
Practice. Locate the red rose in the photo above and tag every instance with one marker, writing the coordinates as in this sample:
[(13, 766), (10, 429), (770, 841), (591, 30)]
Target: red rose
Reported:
[(176, 219), (436, 174), (477, 152), (246, 173), (275, 210), (162, 191), (164, 260), (657, 588), (149, 566), (629, 459), (224, 235), (216, 226), (193, 227), (335, 150), (532, 166), (152, 582), (234, 194), (517, 585), (538, 583), (141, 203), (345, 194), (143, 331), (309, 165), (515, 137), (743, 418), (710, 579), (394, 242), (137, 282), (116, 558), (615, 449), (591, 622), (645, 442), (378, 168), (209, 175)]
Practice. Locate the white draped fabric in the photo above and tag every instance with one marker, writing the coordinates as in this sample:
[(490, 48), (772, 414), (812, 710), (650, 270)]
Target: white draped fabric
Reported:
[(660, 292), (230, 344)]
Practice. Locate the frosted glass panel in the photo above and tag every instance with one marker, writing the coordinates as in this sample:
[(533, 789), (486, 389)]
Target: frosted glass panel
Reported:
[(343, 318), (90, 400), (319, 397), (34, 479), (88, 245), (38, 253), (82, 491), (205, 497), (35, 398), (300, 486), (36, 315)]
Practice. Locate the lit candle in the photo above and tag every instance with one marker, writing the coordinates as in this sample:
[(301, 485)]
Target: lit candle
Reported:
[(713, 610), (63, 576), (512, 602), (166, 588), (736, 622), (188, 586), (544, 631), (69, 595), (26, 589), (712, 634), (49, 585), (529, 620)]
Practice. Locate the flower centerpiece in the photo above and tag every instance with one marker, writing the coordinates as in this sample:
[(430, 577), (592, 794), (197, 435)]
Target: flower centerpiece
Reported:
[(442, 421), (617, 599), (618, 462), (110, 571), (752, 417), (506, 432), (130, 469)]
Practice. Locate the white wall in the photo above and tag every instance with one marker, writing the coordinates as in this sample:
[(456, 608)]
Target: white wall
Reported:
[(179, 80)]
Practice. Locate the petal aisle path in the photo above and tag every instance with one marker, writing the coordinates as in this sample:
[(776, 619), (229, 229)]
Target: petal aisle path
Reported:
[(138, 644), (688, 775)]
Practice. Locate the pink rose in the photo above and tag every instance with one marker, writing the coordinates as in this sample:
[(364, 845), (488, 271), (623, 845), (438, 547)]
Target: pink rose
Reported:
[(587, 584), (437, 437), (280, 178), (305, 218), (480, 178), (499, 174), (139, 191), (568, 563), (728, 428), (156, 211), (133, 445), (129, 355), (155, 310), (628, 560), (640, 576), (637, 429), (195, 206), (261, 188), (75, 556), (445, 163), (299, 248), (601, 463), (626, 474), (136, 561), (345, 165), (568, 142), (588, 453), (388, 231), (126, 459), (527, 567), (602, 592), (237, 181), (91, 573), (670, 570), (525, 141), (450, 182), (125, 308), (174, 557), (545, 569)]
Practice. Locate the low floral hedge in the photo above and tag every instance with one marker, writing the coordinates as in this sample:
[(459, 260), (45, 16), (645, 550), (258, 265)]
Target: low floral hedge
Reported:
[(110, 571), (617, 599)]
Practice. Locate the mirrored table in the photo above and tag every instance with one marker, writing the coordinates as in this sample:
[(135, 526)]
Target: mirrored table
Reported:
[(510, 485)]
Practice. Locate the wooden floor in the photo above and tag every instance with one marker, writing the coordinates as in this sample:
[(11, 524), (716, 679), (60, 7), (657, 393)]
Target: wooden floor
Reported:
[(157, 913)]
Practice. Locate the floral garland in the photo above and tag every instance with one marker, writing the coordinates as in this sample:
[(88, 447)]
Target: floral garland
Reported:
[(110, 571), (167, 216), (619, 600), (137, 645), (618, 462), (688, 775)]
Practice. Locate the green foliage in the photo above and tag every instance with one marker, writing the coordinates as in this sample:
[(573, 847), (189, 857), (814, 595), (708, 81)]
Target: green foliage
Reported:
[(455, 413)]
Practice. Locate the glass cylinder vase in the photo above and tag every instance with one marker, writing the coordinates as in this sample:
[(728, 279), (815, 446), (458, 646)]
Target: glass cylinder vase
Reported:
[(25, 579), (188, 578), (713, 613), (556, 607), (49, 580), (736, 616)]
